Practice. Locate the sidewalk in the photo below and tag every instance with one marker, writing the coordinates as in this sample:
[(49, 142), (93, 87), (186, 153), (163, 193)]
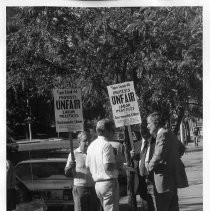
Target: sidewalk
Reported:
[(190, 198)]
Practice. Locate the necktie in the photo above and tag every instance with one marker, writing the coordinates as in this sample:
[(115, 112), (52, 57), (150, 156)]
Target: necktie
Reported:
[(142, 169), (152, 147)]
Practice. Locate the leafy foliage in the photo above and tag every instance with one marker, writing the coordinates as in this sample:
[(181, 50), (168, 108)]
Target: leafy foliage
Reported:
[(160, 49)]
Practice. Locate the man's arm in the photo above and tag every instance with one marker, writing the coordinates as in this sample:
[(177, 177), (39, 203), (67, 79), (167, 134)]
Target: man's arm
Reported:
[(110, 166), (87, 161), (109, 158), (135, 156), (70, 168), (159, 152), (181, 147)]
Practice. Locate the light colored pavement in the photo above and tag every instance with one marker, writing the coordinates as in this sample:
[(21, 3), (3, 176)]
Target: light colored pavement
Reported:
[(191, 198)]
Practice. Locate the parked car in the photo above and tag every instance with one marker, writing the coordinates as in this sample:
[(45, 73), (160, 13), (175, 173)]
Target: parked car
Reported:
[(46, 176), (25, 200)]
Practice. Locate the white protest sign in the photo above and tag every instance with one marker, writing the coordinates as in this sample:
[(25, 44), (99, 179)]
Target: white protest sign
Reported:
[(68, 110), (124, 104)]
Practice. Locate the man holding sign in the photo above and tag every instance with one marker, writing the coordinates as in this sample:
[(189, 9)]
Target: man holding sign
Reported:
[(84, 194)]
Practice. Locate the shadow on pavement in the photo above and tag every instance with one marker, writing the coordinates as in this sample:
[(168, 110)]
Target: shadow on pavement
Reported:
[(191, 207), (196, 183), (194, 149), (187, 197)]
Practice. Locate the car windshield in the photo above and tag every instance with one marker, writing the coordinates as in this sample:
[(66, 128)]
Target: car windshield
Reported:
[(42, 170)]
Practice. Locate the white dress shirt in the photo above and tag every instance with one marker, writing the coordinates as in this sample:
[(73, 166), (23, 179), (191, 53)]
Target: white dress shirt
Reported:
[(100, 152)]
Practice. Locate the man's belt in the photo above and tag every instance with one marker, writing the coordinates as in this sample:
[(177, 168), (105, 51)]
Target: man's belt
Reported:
[(104, 180)]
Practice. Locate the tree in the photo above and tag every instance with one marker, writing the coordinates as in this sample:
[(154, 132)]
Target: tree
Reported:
[(160, 49)]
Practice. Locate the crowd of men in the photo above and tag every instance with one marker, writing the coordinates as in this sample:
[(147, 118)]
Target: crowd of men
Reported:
[(96, 167)]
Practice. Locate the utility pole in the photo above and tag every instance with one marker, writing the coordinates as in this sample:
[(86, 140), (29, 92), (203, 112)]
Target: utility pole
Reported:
[(29, 119)]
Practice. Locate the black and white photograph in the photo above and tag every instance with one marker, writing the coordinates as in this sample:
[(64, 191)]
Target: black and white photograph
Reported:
[(104, 107)]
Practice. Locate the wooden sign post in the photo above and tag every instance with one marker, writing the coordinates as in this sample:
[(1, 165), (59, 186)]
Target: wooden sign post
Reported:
[(130, 174), (130, 137), (71, 146)]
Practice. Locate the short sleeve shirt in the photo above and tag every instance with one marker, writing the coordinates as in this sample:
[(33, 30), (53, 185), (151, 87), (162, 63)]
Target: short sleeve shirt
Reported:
[(83, 176), (100, 152)]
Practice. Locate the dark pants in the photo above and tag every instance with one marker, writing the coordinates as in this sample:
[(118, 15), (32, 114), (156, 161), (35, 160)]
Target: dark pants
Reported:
[(167, 201), (85, 199), (147, 194), (152, 204), (196, 141), (11, 199)]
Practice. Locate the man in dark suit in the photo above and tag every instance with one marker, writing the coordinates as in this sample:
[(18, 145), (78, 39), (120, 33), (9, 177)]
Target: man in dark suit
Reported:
[(146, 179), (164, 163)]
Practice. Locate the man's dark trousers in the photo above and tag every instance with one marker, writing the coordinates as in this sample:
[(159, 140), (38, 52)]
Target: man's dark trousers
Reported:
[(85, 199)]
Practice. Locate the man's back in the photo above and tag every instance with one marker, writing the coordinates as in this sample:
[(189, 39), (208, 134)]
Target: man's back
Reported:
[(99, 153), (164, 160)]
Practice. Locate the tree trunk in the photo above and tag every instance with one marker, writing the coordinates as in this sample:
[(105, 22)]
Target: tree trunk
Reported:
[(187, 130), (182, 132), (180, 117), (130, 175)]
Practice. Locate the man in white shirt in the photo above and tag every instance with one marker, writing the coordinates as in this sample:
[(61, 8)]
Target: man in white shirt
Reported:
[(103, 166), (84, 194)]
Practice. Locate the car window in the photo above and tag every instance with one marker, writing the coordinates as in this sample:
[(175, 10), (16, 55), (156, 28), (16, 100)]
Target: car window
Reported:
[(22, 192), (23, 171), (47, 170)]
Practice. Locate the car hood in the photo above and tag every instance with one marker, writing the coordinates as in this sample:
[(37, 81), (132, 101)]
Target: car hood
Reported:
[(48, 184)]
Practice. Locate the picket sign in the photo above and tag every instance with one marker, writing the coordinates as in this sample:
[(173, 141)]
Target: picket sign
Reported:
[(68, 112), (125, 107)]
